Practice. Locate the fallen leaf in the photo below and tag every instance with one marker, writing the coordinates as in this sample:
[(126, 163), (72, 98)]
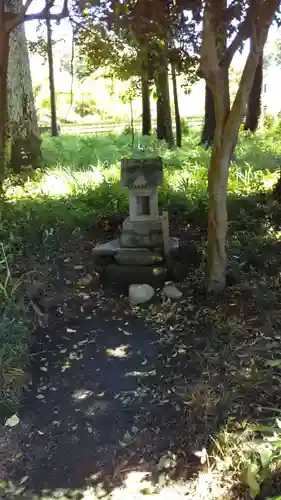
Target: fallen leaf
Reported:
[(24, 479), (12, 421)]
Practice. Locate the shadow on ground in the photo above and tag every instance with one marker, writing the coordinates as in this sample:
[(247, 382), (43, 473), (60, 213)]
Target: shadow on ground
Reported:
[(118, 389)]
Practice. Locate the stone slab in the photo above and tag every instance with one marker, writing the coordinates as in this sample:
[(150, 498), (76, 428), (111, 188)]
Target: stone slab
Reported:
[(142, 234), (106, 249), (128, 275), (130, 239), (137, 256), (142, 227), (141, 172)]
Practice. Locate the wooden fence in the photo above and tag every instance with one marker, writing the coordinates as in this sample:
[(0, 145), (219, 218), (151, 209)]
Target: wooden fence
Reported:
[(110, 126)]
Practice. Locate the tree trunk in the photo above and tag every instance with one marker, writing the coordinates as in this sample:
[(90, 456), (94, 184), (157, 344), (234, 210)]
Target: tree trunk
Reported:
[(146, 111), (217, 219), (23, 133), (177, 111), (164, 117), (160, 129), (4, 56), (254, 102), (54, 125), (209, 119)]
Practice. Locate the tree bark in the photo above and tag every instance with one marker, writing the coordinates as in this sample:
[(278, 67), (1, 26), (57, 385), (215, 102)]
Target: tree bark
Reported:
[(54, 125), (217, 219), (164, 116), (4, 56), (177, 110), (254, 102), (209, 119), (146, 111), (160, 113), (22, 128)]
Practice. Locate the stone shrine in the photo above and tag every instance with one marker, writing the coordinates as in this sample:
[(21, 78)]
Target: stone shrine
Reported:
[(144, 227), (139, 256)]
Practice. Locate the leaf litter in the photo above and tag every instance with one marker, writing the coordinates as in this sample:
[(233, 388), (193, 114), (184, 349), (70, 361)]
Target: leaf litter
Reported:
[(212, 361)]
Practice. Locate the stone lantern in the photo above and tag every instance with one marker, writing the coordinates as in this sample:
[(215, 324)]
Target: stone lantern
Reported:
[(139, 255), (144, 227)]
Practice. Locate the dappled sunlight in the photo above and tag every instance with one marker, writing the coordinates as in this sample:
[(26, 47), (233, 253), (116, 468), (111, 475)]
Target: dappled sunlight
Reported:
[(118, 352), (81, 394)]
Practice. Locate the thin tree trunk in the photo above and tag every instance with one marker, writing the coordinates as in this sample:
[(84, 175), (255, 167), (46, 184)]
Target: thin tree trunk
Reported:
[(209, 119), (217, 219), (160, 129), (24, 144), (146, 111), (4, 56), (132, 123), (164, 117), (177, 111), (54, 125), (254, 102)]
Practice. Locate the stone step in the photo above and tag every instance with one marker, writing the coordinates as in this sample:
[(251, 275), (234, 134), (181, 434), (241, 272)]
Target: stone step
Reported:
[(137, 256), (106, 249), (127, 275)]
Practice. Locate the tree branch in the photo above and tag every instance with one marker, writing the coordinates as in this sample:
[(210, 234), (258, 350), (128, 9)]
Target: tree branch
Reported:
[(209, 63), (45, 13), (13, 20), (259, 35), (243, 33)]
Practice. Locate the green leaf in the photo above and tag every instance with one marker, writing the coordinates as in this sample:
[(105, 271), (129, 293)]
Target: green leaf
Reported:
[(273, 363), (12, 421), (265, 455), (252, 479)]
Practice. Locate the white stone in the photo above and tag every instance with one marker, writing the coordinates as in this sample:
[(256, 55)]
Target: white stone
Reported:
[(173, 243), (172, 292), (138, 294)]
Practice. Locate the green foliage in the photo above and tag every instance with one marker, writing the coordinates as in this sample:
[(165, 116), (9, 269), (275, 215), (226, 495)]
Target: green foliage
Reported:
[(13, 338), (45, 103), (86, 106), (269, 121)]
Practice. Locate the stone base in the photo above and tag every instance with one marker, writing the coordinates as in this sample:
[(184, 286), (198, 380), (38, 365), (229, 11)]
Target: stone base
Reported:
[(107, 249), (127, 275), (138, 257), (145, 234)]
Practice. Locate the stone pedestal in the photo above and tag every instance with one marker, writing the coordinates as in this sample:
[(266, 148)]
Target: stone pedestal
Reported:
[(145, 234)]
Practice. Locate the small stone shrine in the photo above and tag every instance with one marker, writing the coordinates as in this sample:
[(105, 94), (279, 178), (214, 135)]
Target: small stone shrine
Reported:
[(139, 256)]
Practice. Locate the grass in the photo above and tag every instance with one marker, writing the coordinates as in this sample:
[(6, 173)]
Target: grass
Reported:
[(78, 187)]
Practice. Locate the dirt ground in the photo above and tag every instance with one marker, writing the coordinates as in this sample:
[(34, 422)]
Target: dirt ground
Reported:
[(120, 390)]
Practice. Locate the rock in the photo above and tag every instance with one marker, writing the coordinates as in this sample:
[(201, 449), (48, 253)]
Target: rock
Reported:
[(137, 256), (138, 294), (172, 292), (126, 275), (85, 280), (173, 244), (107, 249)]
